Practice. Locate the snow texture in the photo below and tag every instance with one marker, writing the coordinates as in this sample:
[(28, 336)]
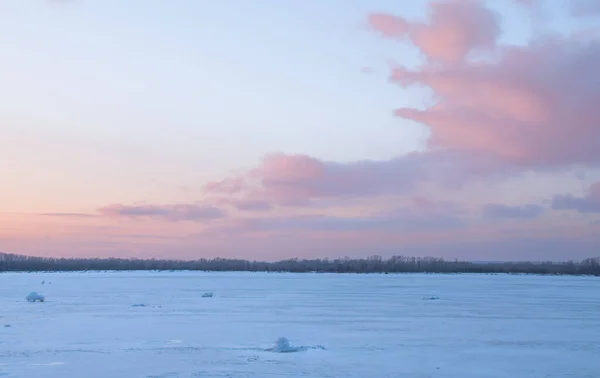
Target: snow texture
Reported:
[(486, 326), (33, 297)]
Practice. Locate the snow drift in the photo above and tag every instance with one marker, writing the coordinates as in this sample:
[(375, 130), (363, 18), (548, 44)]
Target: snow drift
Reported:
[(33, 296)]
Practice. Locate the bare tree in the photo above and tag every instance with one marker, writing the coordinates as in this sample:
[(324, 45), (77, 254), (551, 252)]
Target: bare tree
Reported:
[(373, 264)]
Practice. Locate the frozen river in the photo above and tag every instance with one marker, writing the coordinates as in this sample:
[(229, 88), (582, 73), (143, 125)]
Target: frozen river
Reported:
[(455, 326)]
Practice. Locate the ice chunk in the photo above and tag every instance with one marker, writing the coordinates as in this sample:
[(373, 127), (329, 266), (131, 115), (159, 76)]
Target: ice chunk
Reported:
[(33, 296), (282, 345)]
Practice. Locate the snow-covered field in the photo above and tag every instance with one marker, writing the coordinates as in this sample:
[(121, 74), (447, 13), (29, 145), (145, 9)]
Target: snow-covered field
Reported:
[(369, 326)]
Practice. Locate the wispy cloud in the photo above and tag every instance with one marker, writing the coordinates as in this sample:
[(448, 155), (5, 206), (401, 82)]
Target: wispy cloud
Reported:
[(69, 215), (500, 211), (172, 212)]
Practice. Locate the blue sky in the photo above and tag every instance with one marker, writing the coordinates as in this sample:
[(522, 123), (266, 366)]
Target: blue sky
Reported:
[(120, 102), (179, 78)]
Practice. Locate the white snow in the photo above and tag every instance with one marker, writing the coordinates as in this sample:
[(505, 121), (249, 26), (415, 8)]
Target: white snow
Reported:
[(486, 326), (34, 297)]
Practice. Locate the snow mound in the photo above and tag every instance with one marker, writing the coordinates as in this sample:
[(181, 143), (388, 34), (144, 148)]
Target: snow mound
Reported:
[(207, 295), (33, 296), (282, 345)]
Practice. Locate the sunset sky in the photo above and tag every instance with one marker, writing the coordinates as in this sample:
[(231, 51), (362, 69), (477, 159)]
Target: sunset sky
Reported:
[(272, 129)]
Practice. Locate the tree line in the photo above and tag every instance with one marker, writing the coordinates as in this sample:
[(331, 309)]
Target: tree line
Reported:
[(373, 264)]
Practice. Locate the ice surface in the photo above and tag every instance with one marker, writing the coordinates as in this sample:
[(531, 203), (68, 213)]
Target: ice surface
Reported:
[(486, 326), (33, 297)]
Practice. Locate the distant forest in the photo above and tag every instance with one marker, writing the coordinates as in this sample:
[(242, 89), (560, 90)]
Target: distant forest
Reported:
[(373, 264)]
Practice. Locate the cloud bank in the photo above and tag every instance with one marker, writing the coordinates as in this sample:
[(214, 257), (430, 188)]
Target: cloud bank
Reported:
[(589, 203)]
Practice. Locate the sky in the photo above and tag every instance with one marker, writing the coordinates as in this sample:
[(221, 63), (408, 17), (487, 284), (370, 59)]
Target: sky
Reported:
[(269, 130)]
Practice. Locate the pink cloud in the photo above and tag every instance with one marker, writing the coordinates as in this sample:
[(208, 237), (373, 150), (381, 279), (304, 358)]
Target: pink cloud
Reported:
[(296, 180), (252, 205), (455, 28), (173, 213), (241, 204), (532, 107), (389, 25), (535, 105), (227, 186)]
